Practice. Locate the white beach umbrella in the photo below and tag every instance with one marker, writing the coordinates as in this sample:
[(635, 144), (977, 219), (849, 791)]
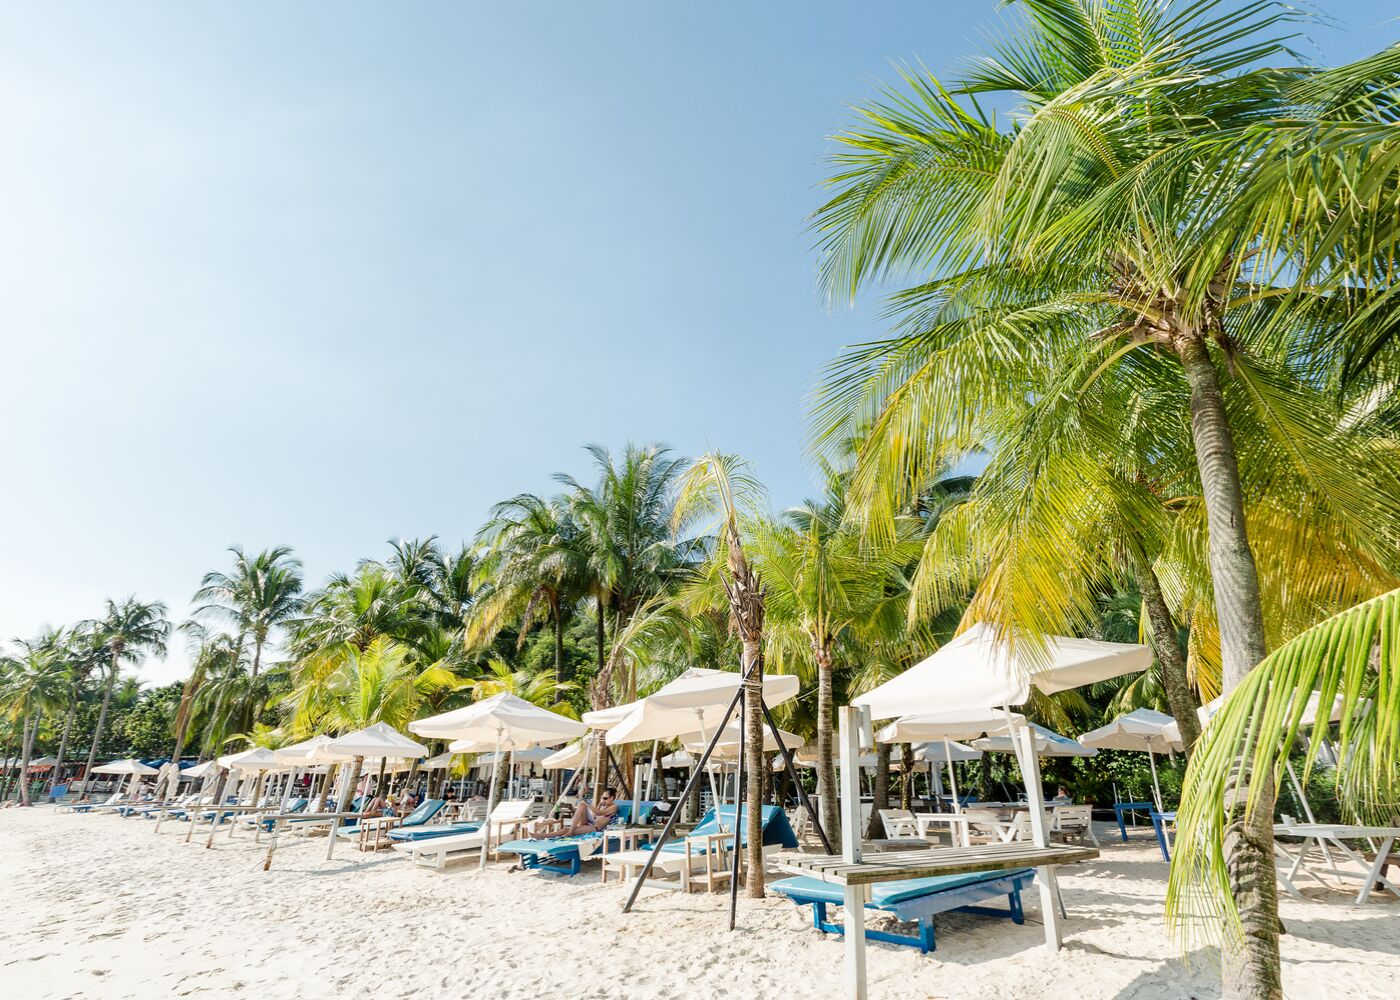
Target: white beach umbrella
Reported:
[(607, 718), (694, 702), (1047, 744), (441, 762), (253, 759), (130, 766), (1142, 730), (570, 758), (503, 721), (307, 752), (680, 759), (940, 751), (985, 669), (509, 723), (728, 743), (958, 725), (377, 741), (208, 768)]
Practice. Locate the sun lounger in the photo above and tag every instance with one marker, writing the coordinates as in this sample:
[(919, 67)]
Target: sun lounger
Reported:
[(704, 851), (373, 830), (436, 852), (296, 805), (915, 900), (565, 855), (115, 801), (312, 824)]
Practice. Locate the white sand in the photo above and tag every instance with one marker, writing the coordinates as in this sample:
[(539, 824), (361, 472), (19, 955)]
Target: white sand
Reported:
[(99, 907)]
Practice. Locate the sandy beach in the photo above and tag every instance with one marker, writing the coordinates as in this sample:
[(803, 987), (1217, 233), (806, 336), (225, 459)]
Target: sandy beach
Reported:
[(100, 907)]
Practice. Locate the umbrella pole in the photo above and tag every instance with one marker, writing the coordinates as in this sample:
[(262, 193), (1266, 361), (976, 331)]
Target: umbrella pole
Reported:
[(1048, 883), (791, 766), (676, 813), (651, 768), (952, 776), (735, 869), (490, 802), (1156, 788), (714, 792)]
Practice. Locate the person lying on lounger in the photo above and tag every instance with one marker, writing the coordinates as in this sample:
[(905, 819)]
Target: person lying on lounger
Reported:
[(589, 819)]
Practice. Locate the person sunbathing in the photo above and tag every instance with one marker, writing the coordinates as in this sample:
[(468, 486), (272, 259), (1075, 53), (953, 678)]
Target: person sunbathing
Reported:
[(589, 819)]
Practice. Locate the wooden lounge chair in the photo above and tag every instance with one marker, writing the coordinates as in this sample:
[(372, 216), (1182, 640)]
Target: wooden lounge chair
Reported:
[(505, 819), (702, 857)]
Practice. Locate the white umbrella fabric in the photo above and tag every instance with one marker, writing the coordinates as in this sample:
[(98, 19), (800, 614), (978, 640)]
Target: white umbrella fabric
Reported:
[(509, 723), (1144, 731), (728, 743), (130, 766), (379, 740), (570, 758), (985, 668), (1047, 744), (696, 701)]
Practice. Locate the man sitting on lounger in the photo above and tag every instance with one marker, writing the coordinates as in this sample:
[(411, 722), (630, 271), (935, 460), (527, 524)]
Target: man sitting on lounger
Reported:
[(589, 819)]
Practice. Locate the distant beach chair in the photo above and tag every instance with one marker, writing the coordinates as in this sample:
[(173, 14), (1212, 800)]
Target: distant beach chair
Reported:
[(436, 852), (373, 831), (1075, 823), (899, 823), (916, 900), (703, 854), (114, 801), (565, 855)]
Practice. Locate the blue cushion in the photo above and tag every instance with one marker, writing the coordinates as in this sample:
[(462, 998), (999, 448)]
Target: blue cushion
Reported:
[(886, 894)]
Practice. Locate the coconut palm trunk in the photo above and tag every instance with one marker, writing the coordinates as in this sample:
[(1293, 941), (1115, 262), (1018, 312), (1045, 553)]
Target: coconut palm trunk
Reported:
[(1175, 681), (906, 776), (101, 716), (881, 797), (31, 726), (826, 743), (1252, 971), (57, 775), (753, 764)]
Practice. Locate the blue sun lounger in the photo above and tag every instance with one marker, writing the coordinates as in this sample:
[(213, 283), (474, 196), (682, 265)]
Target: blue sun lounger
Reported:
[(426, 810), (564, 855), (915, 900)]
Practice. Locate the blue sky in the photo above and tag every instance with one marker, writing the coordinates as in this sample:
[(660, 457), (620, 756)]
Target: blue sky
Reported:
[(329, 273)]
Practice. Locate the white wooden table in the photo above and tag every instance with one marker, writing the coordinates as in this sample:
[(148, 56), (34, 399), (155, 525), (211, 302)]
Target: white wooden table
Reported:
[(1327, 837), (956, 823)]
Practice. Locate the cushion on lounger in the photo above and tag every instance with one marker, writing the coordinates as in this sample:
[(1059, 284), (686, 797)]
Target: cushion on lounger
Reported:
[(888, 893)]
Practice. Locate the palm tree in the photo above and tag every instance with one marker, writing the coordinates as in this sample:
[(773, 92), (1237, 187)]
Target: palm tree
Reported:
[(127, 632), (1353, 657), (356, 609), (1114, 230), (821, 579), (532, 569), (34, 688), (721, 487), (345, 688), (261, 594)]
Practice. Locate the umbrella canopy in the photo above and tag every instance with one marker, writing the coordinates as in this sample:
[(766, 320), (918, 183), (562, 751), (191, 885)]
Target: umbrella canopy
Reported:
[(694, 702), (807, 757), (606, 718), (728, 744), (572, 757), (503, 720), (940, 752), (681, 758), (1047, 744), (440, 762), (1141, 729), (1310, 717), (531, 755), (960, 725), (255, 759), (306, 753), (208, 768), (986, 668), (128, 766), (378, 740)]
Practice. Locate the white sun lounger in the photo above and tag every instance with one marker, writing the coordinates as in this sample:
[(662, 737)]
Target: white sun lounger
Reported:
[(504, 821)]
